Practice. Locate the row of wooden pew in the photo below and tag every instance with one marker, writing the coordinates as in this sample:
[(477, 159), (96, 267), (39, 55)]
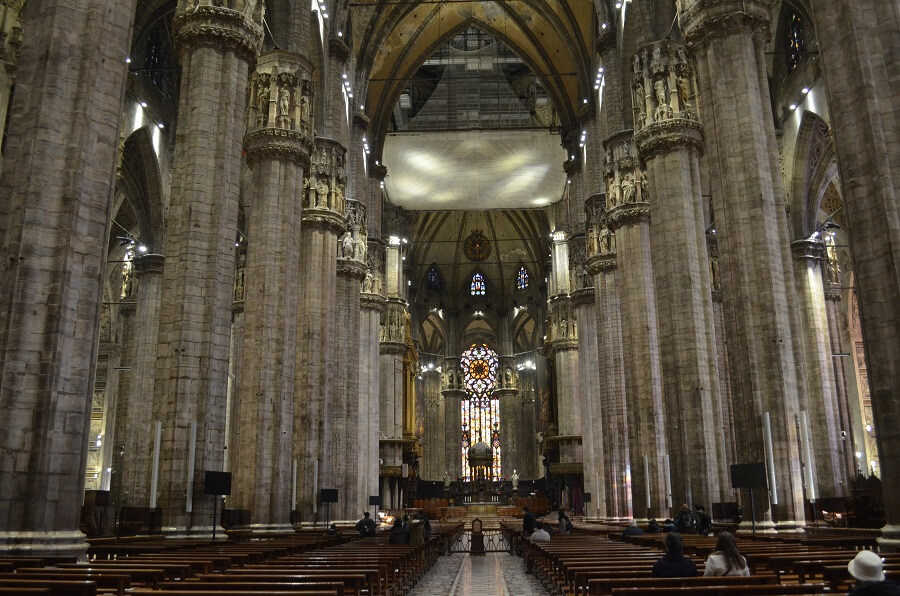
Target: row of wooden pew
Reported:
[(302, 563), (594, 564)]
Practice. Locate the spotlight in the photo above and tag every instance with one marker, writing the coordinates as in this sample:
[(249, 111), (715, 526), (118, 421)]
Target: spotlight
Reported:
[(805, 90)]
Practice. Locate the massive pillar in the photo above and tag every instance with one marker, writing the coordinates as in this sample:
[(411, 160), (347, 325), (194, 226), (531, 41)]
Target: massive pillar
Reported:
[(57, 189), (669, 142), (235, 360), (628, 227), (823, 418), (592, 430), (508, 394), (729, 41), (725, 399), (433, 441), (453, 393), (217, 45), (136, 433), (323, 223), (371, 308), (609, 399), (859, 44), (345, 410), (278, 143)]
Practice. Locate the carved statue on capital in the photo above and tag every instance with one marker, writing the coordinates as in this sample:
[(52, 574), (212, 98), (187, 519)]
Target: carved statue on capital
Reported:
[(664, 67)]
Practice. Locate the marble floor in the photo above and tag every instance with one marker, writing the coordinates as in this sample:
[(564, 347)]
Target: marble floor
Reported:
[(494, 574)]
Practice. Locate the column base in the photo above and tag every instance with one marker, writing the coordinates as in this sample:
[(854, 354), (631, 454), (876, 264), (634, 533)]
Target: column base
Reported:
[(790, 526), (762, 527), (194, 533), (890, 539), (68, 545)]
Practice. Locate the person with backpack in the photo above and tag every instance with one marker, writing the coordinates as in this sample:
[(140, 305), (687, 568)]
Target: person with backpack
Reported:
[(705, 522), (687, 521)]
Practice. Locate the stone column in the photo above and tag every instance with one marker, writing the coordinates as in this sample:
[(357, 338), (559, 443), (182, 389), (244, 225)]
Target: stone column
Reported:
[(323, 224), (393, 351), (346, 412), (609, 399), (669, 141), (592, 431), (217, 46), (858, 40), (137, 428), (628, 224), (849, 435), (277, 144), (371, 307), (57, 190), (729, 41), (116, 427), (453, 395), (433, 441), (725, 397), (823, 430), (235, 360)]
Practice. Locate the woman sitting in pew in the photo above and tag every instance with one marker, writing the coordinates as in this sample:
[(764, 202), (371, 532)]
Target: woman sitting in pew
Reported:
[(726, 560), (674, 563)]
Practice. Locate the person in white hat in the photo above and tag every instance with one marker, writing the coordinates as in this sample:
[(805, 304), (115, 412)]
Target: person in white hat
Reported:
[(866, 569)]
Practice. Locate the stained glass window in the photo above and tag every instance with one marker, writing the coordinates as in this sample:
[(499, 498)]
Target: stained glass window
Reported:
[(433, 278), (478, 287), (480, 412), (522, 279), (795, 46)]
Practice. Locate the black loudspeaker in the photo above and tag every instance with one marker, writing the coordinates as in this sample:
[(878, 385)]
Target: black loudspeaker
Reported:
[(587, 497), (748, 475), (217, 483), (328, 495), (375, 500)]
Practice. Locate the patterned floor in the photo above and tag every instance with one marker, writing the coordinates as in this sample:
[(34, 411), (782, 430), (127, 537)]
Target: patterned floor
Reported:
[(494, 574)]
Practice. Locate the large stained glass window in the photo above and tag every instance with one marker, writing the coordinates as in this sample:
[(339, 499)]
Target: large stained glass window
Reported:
[(477, 288), (795, 42), (522, 279), (480, 411)]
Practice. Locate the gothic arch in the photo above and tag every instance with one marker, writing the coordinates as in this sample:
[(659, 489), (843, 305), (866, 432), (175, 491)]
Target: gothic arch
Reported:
[(142, 185), (434, 334), (815, 167)]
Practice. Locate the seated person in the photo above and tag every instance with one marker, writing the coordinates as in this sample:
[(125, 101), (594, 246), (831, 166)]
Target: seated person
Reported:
[(866, 568), (726, 560), (653, 527), (366, 526), (540, 534), (633, 529), (674, 563), (668, 526), (399, 533)]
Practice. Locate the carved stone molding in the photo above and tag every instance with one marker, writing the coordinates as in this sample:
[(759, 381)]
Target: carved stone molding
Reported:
[(220, 28), (600, 263), (833, 293), (671, 134), (806, 249), (624, 215), (338, 49), (564, 345), (351, 268), (626, 182), (583, 296), (700, 19), (353, 244), (368, 301), (277, 143), (237, 307), (562, 328), (323, 219), (394, 348), (151, 264)]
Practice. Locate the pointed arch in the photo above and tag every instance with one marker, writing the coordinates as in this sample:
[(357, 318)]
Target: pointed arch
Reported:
[(141, 186), (815, 167)]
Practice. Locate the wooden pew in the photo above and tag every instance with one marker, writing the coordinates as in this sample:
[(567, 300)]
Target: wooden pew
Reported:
[(56, 587), (107, 581), (25, 591), (601, 586), (354, 583), (230, 593), (149, 575), (775, 590), (336, 588)]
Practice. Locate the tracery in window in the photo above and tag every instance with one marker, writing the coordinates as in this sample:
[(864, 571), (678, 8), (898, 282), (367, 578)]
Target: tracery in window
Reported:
[(433, 278), (522, 279), (480, 412), (478, 287), (795, 44)]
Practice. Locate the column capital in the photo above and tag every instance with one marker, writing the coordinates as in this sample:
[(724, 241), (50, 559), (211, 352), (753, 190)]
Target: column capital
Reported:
[(219, 28), (700, 19), (369, 301), (630, 214), (351, 268), (323, 190), (583, 296), (601, 263), (664, 99), (806, 249), (338, 49), (149, 264), (323, 219)]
